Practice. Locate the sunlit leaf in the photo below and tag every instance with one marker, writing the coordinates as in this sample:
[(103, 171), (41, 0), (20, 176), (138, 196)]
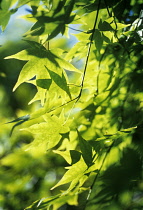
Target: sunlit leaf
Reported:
[(89, 120), (76, 171), (71, 156), (47, 134), (38, 60)]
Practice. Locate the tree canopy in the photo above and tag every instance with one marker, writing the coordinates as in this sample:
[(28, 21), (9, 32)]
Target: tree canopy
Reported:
[(71, 106)]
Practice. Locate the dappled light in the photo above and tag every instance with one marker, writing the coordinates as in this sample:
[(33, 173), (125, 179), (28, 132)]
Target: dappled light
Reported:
[(71, 105)]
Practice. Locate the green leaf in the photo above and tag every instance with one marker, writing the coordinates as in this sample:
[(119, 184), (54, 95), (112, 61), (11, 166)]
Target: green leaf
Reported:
[(104, 26), (6, 12), (38, 58), (105, 38), (86, 150), (51, 22), (44, 83), (60, 80), (47, 134), (78, 50), (98, 39), (119, 26), (4, 18), (64, 154), (75, 156), (68, 7), (29, 70), (71, 156), (56, 31), (44, 202), (63, 63), (24, 55), (7, 4), (74, 174), (24, 2), (55, 201)]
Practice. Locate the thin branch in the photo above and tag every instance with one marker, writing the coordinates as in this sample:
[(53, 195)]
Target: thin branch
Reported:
[(89, 49), (107, 8), (98, 173), (76, 29)]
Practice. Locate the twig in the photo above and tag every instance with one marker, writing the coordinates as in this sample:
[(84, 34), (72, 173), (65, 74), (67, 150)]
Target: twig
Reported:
[(88, 53), (107, 8), (98, 173), (76, 29)]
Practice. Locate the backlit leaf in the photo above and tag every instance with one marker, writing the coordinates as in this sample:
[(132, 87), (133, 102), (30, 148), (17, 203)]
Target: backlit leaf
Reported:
[(75, 172), (47, 134), (38, 58)]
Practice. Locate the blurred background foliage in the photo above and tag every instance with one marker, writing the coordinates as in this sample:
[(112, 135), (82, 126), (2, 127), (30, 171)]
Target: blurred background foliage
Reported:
[(24, 177), (28, 176)]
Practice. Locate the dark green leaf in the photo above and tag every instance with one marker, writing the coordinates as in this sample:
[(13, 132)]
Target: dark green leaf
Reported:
[(105, 26), (98, 39), (75, 156), (86, 150), (60, 81), (44, 83)]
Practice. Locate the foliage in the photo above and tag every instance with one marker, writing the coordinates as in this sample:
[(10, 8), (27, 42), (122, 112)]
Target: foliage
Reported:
[(87, 108)]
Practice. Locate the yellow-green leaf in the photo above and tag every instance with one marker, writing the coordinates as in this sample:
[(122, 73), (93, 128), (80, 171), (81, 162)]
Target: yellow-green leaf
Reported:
[(47, 134), (76, 171)]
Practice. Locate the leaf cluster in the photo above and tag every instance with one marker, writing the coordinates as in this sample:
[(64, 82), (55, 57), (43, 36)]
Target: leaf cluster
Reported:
[(90, 116)]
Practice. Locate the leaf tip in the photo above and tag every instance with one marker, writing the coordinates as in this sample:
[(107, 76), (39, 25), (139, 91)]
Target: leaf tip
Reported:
[(14, 89), (7, 57), (52, 188)]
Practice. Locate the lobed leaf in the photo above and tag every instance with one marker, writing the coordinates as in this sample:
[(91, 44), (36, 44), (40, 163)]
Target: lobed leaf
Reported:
[(47, 134), (38, 57)]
